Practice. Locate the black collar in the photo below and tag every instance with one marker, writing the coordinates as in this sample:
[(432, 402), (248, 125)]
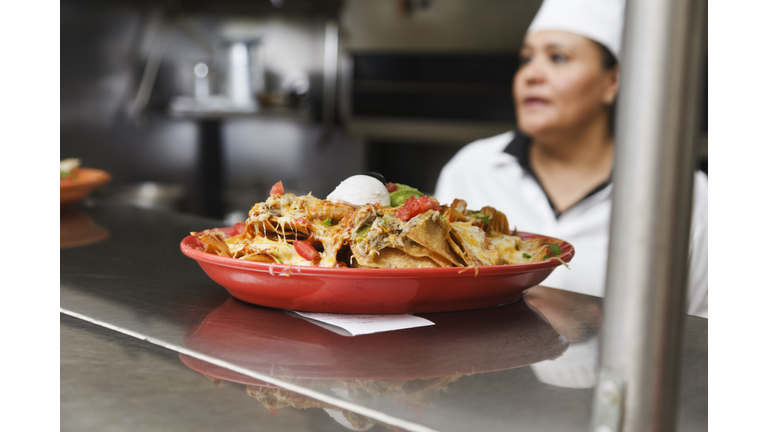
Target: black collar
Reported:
[(520, 147)]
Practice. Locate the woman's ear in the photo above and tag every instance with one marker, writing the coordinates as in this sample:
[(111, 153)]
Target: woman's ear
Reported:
[(612, 87)]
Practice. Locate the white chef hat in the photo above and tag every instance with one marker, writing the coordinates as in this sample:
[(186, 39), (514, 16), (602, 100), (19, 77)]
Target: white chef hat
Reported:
[(599, 20)]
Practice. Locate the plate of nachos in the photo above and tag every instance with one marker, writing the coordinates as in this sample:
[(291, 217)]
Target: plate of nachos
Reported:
[(391, 250)]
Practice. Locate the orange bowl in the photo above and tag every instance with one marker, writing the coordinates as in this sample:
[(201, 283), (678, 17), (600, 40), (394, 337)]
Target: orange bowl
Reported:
[(73, 191)]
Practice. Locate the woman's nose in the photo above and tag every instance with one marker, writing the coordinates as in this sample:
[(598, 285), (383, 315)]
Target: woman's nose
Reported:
[(532, 73)]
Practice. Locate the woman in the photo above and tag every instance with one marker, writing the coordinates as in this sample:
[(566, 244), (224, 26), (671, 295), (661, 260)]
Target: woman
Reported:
[(553, 176)]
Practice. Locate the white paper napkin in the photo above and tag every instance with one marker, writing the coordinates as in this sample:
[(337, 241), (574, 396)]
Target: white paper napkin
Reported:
[(365, 324)]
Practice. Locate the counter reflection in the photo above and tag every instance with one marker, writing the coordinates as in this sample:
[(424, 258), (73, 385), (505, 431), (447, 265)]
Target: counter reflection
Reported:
[(274, 399), (578, 318), (401, 372), (77, 229), (273, 342)]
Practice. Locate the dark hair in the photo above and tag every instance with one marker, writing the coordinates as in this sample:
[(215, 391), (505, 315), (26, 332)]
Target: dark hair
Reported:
[(609, 62)]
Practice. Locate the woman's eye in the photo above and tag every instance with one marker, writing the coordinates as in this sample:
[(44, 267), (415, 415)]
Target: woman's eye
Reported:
[(558, 58), (525, 60)]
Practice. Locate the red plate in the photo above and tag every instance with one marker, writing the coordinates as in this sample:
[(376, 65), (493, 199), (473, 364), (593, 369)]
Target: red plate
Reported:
[(372, 291)]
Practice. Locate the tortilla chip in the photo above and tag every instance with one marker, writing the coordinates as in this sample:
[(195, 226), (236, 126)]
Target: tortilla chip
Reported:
[(428, 232), (394, 258), (538, 248), (416, 250), (259, 257), (214, 243), (473, 245)]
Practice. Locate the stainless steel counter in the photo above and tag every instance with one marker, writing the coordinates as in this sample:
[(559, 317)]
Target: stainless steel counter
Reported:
[(146, 338), (114, 382)]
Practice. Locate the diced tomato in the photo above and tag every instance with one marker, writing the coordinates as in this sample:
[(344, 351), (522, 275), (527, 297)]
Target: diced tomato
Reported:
[(302, 221), (239, 228), (391, 187), (424, 205), (403, 213), (277, 189), (408, 210), (435, 203), (305, 250), (414, 206)]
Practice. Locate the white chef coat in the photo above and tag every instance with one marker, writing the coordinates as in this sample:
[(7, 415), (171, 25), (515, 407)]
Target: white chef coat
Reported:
[(495, 172)]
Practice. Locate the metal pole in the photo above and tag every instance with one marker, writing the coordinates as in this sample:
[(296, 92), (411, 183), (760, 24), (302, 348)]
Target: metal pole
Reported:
[(330, 69), (647, 269)]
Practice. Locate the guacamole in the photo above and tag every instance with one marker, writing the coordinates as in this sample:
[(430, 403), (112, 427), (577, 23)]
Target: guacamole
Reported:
[(403, 192)]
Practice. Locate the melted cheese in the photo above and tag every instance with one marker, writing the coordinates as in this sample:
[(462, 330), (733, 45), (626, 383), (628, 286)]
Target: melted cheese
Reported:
[(478, 249), (509, 248), (273, 225)]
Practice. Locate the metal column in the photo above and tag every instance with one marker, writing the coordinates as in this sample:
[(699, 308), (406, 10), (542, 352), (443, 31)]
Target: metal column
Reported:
[(647, 269)]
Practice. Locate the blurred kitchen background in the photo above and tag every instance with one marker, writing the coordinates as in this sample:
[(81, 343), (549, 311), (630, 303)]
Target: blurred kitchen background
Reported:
[(201, 106)]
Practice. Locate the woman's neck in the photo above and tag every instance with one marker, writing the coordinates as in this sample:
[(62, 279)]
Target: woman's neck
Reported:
[(583, 148), (570, 165)]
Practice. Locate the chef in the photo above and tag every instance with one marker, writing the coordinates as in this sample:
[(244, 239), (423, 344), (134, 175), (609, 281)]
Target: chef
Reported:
[(553, 175)]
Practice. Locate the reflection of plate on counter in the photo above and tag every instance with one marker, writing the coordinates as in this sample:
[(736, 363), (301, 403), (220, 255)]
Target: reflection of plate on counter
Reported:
[(460, 343), (379, 291), (87, 179), (77, 229)]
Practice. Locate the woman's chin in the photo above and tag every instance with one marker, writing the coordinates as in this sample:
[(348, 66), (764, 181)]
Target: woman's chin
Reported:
[(534, 128)]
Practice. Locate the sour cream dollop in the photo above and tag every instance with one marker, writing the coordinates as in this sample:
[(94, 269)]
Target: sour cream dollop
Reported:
[(360, 189)]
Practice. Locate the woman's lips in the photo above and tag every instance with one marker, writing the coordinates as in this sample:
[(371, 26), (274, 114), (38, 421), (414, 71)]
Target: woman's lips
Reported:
[(534, 102)]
